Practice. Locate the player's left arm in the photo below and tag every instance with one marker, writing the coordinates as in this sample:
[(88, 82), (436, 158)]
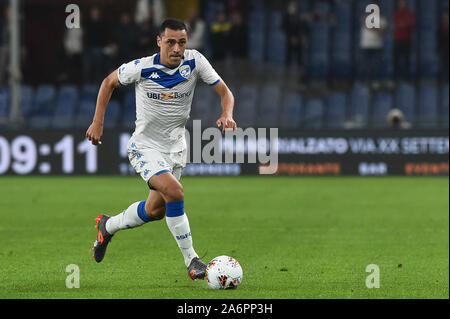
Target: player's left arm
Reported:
[(227, 101)]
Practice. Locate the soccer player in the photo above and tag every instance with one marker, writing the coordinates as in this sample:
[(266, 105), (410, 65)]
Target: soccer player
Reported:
[(164, 85)]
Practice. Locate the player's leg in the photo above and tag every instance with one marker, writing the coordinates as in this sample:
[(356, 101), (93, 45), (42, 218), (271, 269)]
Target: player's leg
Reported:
[(135, 215), (155, 205), (172, 192), (138, 213), (146, 162)]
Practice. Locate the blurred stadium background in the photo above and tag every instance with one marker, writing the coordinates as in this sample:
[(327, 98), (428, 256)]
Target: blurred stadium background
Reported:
[(306, 65)]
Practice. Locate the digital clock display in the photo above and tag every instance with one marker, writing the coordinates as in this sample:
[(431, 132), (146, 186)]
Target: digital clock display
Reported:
[(48, 153)]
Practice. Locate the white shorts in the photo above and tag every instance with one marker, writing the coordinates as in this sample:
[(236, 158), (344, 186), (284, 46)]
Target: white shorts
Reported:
[(149, 162)]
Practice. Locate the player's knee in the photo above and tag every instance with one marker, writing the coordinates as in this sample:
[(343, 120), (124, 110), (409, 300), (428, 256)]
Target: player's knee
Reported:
[(174, 193)]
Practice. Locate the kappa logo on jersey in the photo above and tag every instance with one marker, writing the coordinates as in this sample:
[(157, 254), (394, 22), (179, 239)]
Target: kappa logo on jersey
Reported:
[(185, 71), (142, 164), (161, 163), (154, 75), (167, 96)]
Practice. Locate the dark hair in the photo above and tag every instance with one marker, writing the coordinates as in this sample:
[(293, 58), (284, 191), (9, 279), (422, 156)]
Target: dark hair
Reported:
[(172, 24)]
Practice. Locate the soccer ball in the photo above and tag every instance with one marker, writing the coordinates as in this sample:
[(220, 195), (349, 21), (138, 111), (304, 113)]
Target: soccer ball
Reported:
[(224, 272)]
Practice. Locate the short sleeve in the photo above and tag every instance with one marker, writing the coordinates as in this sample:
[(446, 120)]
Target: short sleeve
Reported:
[(130, 72), (206, 71)]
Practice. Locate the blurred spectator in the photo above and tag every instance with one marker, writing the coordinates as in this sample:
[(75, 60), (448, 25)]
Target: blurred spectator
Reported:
[(238, 36), (404, 20), (372, 45), (443, 45), (142, 11), (220, 32), (321, 11), (297, 31), (396, 120), (239, 6), (126, 38), (146, 7), (196, 30), (95, 41), (146, 37), (73, 50), (4, 45)]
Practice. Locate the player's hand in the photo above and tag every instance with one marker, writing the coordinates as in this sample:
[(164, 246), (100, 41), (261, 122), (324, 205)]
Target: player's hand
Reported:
[(226, 122), (94, 133)]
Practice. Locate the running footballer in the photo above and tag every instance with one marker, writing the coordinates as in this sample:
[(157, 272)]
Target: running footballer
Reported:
[(164, 85)]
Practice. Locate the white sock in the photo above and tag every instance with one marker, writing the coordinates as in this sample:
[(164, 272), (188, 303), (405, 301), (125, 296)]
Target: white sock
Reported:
[(131, 217), (178, 224)]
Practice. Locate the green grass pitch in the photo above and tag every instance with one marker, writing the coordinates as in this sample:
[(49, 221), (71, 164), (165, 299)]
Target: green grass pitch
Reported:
[(296, 238)]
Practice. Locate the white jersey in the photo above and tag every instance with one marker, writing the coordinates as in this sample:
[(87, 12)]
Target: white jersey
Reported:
[(164, 97)]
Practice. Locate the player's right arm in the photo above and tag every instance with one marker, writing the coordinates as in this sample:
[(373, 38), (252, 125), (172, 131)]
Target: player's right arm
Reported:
[(95, 130), (127, 73)]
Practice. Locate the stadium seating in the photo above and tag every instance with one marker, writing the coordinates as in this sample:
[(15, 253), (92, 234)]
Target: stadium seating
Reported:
[(269, 106), (291, 114), (129, 110), (427, 28), (26, 101), (319, 58), (444, 106), (428, 106), (43, 107), (333, 53), (256, 37), (336, 110), (425, 105), (387, 67), (381, 105), (359, 105), (4, 105), (247, 99), (405, 100), (276, 52), (314, 113), (27, 97), (65, 108), (341, 53), (203, 104), (112, 114), (86, 108)]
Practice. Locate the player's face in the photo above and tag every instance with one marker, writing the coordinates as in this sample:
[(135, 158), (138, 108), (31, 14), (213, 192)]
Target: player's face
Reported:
[(172, 44)]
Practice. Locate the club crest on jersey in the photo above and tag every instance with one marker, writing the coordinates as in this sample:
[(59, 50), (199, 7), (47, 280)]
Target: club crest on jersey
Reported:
[(185, 71)]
